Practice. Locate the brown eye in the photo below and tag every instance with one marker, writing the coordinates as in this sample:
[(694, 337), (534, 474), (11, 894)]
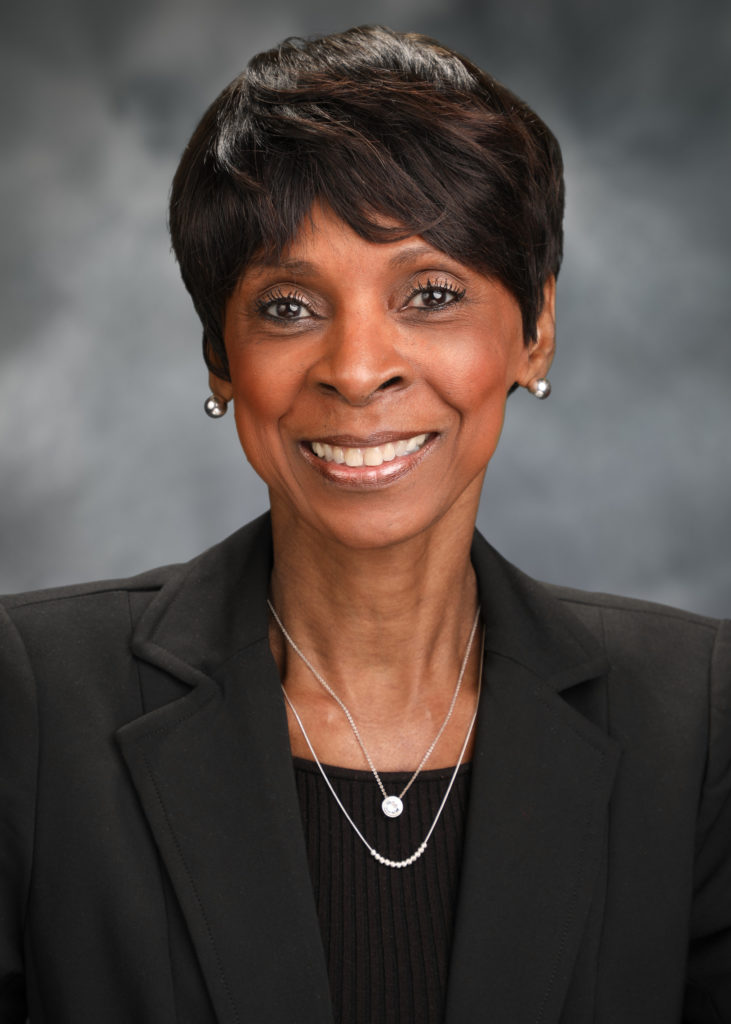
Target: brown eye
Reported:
[(432, 296), (436, 297), (285, 308)]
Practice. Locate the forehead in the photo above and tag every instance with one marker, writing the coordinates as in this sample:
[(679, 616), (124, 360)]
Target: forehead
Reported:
[(325, 239)]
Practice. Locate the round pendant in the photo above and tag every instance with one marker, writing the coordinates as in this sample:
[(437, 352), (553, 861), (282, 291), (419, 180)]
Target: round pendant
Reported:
[(392, 806)]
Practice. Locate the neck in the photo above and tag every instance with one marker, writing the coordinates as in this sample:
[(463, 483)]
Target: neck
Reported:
[(385, 626)]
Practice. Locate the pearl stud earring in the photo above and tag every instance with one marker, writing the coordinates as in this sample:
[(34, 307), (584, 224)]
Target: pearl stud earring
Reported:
[(541, 387), (215, 407)]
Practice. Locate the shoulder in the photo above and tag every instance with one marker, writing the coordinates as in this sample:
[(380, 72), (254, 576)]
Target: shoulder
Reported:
[(60, 614), (545, 625), (151, 580), (672, 650), (614, 603), (84, 616), (635, 616), (626, 622)]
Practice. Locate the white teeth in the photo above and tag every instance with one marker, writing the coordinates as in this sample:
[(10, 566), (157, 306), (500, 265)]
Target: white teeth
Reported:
[(353, 457), (373, 456)]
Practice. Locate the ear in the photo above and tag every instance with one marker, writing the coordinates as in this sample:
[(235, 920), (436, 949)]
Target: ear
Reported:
[(221, 388), (539, 353)]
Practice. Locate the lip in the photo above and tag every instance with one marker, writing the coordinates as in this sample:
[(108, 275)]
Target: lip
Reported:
[(371, 441), (367, 477)]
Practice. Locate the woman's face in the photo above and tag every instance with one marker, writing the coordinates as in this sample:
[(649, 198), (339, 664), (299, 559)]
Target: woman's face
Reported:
[(369, 381)]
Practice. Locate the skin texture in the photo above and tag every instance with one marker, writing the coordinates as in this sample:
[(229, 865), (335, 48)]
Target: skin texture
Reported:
[(356, 344)]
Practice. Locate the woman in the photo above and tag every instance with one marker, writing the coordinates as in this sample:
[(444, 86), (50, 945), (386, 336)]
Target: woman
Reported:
[(350, 765)]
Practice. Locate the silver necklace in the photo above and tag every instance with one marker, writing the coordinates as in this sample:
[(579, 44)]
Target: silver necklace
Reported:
[(420, 849), (392, 805)]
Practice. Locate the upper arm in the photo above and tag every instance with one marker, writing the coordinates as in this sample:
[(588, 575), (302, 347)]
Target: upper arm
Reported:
[(708, 997), (18, 771)]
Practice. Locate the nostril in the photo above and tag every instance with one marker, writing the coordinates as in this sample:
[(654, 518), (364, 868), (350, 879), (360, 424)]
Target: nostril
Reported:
[(359, 394)]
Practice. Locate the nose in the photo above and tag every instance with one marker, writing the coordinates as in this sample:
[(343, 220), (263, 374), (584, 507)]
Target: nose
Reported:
[(361, 360)]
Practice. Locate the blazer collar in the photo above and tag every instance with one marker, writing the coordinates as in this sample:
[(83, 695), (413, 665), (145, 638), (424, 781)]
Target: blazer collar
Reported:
[(215, 779), (215, 606), (211, 608), (527, 624)]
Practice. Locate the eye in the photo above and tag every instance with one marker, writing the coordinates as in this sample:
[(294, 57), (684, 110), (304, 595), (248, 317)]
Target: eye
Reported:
[(284, 307), (434, 295)]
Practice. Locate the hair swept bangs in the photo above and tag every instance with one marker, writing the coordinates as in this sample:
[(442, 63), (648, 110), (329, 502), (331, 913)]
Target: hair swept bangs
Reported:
[(386, 129)]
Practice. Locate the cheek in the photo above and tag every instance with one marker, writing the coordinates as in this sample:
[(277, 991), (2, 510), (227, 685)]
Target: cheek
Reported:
[(261, 397), (476, 385), (476, 380), (264, 386)]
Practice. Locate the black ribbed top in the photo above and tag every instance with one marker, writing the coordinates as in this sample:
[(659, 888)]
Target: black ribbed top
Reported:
[(387, 932)]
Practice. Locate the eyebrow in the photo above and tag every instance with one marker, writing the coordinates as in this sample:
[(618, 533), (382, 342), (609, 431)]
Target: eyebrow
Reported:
[(299, 266), (415, 252), (296, 266)]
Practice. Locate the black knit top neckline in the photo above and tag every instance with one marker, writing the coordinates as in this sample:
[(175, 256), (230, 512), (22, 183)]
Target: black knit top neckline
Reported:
[(386, 932)]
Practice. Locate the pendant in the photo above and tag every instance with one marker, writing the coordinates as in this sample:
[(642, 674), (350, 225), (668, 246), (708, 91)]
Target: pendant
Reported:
[(392, 806)]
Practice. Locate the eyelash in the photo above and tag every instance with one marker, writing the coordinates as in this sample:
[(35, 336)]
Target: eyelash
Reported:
[(263, 304), (440, 285)]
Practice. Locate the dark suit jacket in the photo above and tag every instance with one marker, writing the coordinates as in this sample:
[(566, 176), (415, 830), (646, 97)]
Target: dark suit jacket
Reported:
[(151, 851)]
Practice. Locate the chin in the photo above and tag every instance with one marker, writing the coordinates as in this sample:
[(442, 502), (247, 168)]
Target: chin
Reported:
[(368, 538), (372, 528)]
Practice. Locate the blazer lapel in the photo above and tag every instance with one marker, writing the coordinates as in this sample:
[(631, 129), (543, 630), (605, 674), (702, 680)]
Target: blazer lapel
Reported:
[(536, 830), (214, 776)]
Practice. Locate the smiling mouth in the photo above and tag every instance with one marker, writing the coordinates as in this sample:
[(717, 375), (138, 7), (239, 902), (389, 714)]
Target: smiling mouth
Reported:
[(375, 455)]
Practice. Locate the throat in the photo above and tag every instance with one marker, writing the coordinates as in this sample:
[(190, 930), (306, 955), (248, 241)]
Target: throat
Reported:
[(383, 729)]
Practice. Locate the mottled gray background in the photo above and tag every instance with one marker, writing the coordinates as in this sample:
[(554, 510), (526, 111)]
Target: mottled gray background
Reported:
[(620, 482)]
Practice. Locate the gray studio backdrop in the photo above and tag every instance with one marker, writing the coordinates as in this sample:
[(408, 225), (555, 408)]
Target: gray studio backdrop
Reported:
[(620, 482)]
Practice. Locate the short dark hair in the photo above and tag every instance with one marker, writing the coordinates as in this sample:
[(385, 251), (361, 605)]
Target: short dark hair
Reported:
[(376, 124)]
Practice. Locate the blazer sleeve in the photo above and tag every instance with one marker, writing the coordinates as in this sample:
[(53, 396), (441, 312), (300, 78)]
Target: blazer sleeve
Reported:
[(708, 993), (18, 771)]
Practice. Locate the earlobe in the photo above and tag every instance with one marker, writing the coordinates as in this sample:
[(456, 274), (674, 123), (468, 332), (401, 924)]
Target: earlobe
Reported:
[(219, 387), (221, 394), (539, 353)]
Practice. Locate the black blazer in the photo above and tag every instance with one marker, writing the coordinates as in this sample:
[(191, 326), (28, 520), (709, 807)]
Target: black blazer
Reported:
[(151, 851)]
